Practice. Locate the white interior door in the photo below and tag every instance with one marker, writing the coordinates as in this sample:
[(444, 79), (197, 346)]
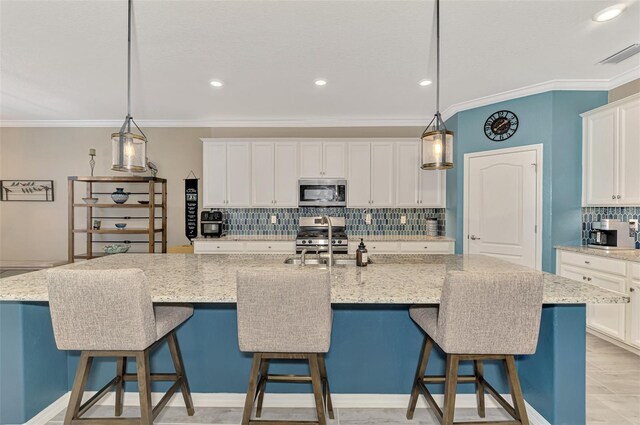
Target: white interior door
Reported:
[(502, 206)]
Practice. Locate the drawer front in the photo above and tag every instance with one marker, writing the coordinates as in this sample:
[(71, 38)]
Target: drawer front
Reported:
[(376, 247), (219, 247), (279, 247), (590, 262), (428, 247), (635, 271)]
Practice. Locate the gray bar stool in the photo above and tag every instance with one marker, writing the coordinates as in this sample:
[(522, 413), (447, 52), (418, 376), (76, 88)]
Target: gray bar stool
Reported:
[(110, 314), (482, 316), (285, 316)]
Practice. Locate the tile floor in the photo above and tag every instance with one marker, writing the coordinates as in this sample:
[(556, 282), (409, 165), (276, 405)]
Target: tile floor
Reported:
[(613, 398)]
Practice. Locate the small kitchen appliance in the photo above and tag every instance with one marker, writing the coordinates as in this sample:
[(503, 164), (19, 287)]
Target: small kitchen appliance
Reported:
[(314, 236), (322, 193), (614, 234), (213, 224)]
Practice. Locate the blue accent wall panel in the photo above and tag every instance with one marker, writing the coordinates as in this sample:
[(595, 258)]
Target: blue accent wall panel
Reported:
[(551, 119)]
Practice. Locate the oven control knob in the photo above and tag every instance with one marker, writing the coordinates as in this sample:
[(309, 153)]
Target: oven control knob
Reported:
[(309, 241), (304, 241), (333, 241), (338, 241)]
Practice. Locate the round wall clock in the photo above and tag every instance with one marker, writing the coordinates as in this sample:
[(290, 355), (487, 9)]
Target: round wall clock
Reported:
[(501, 125)]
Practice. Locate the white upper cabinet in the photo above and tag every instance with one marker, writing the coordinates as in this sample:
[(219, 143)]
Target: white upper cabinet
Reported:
[(611, 153), (371, 170), (226, 174), (273, 166), (322, 159), (416, 187)]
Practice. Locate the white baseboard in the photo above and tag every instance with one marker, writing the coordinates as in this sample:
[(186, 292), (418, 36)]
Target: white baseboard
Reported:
[(614, 341), (340, 401)]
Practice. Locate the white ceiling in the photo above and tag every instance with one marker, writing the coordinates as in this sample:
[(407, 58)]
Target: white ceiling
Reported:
[(66, 60)]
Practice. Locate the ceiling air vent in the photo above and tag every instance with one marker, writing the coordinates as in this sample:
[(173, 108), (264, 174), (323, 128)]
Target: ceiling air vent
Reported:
[(623, 54)]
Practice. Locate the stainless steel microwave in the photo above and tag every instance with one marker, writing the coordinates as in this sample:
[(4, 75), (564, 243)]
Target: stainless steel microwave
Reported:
[(322, 193)]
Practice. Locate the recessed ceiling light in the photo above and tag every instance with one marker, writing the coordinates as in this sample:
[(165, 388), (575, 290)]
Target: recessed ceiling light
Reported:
[(215, 83), (320, 82), (609, 13), (424, 83)]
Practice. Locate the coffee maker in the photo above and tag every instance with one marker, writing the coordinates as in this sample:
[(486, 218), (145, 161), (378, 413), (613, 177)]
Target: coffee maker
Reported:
[(213, 224), (614, 234)]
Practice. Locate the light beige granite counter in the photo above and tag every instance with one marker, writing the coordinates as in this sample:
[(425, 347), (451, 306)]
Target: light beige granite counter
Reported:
[(400, 238), (390, 279), (232, 238), (627, 255)]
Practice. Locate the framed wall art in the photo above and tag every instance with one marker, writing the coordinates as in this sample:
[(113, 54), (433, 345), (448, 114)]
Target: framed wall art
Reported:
[(26, 190)]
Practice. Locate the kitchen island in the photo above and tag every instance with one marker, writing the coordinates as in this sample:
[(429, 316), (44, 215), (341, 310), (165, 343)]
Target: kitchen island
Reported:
[(374, 348)]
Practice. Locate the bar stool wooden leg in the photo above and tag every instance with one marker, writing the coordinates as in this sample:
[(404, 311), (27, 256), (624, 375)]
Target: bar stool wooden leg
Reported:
[(326, 391), (478, 371), (451, 380), (251, 390), (262, 385), (427, 345), (121, 369), (176, 355), (144, 387), (317, 388), (84, 366), (516, 391)]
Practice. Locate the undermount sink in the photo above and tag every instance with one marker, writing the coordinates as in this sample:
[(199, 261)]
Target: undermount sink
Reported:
[(322, 261)]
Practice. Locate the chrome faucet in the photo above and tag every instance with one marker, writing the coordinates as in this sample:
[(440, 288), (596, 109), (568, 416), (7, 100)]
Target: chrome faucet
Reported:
[(327, 220), (302, 256)]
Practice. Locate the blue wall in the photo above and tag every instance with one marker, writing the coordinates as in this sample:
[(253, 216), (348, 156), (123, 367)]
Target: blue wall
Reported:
[(551, 119)]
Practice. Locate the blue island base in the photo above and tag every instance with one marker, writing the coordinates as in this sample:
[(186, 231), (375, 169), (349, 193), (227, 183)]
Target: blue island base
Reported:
[(374, 350)]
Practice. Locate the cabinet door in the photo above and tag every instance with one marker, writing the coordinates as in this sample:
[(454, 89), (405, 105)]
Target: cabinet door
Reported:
[(607, 318), (382, 166), (334, 159), (359, 180), (262, 172), (286, 175), (599, 174), (311, 159), (634, 305), (408, 174), (433, 188), (214, 171), (238, 174), (629, 154)]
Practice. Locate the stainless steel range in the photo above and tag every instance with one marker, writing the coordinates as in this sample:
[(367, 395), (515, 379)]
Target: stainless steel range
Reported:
[(314, 236)]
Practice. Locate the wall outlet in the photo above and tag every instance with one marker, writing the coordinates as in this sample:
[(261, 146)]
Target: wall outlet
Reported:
[(274, 219), (403, 219), (367, 218)]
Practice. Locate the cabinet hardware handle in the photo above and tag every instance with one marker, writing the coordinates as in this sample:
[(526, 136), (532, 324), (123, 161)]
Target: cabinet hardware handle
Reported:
[(632, 289), (587, 262), (218, 247), (589, 279), (269, 247), (584, 278), (618, 196), (613, 196), (426, 247)]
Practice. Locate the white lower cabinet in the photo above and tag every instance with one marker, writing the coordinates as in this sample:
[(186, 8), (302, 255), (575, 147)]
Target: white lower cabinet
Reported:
[(404, 247), (212, 246), (618, 321)]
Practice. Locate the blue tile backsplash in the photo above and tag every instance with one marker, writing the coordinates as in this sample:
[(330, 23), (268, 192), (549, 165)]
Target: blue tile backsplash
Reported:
[(384, 221), (591, 215)]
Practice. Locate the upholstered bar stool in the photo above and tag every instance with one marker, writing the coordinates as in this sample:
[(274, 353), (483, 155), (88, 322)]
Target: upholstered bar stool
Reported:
[(285, 316), (482, 316), (110, 314)]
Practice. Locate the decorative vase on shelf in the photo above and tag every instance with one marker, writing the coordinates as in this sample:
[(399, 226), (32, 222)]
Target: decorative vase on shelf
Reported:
[(120, 196)]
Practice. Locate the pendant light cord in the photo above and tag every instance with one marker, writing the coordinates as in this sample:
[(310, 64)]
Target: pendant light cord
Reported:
[(437, 57), (129, 65)]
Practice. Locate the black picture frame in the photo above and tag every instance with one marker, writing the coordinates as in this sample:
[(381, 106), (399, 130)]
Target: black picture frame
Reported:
[(23, 190)]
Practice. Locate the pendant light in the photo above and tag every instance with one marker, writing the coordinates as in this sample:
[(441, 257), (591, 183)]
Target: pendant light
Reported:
[(129, 150), (437, 141)]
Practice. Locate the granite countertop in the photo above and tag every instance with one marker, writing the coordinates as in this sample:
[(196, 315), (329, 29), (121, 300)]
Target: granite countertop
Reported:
[(400, 238), (617, 254), (390, 279)]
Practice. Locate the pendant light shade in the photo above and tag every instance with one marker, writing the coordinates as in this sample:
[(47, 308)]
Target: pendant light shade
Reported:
[(129, 149), (437, 141), (437, 146)]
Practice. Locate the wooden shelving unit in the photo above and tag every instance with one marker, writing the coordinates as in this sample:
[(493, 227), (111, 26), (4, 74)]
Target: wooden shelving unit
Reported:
[(151, 230)]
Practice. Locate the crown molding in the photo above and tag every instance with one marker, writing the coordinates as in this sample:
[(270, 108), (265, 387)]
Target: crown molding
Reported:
[(561, 84)]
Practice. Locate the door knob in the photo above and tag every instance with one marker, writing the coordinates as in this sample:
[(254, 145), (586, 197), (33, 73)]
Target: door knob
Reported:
[(474, 238)]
